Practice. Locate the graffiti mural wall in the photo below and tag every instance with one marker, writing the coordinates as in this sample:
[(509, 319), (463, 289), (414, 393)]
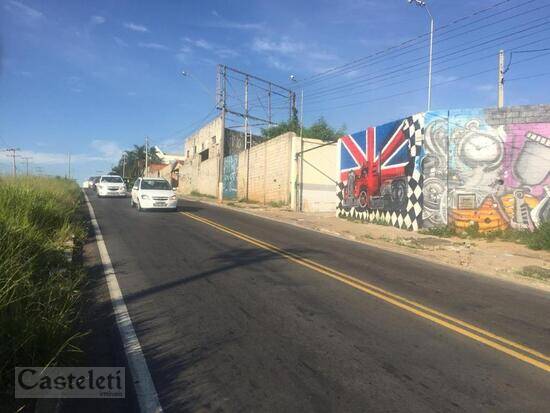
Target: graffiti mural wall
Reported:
[(380, 177), (474, 167)]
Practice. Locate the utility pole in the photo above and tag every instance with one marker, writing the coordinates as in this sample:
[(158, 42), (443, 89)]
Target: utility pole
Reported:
[(146, 155), (246, 143), (69, 162), (124, 155), (501, 79), (13, 156), (26, 159), (221, 105)]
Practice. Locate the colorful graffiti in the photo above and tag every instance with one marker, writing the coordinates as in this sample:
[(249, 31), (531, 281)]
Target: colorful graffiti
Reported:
[(462, 168), (229, 178), (380, 175), (492, 174)]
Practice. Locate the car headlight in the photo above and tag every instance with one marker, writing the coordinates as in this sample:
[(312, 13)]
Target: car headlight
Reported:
[(173, 197), (145, 196)]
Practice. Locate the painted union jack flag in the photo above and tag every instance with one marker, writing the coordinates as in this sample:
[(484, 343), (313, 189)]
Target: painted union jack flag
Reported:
[(384, 149)]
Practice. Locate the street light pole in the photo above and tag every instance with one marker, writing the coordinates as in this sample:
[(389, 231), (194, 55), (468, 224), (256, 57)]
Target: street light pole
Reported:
[(203, 86), (300, 202), (421, 3)]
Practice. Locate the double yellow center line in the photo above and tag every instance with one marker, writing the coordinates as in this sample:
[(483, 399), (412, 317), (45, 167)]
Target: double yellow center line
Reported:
[(478, 334)]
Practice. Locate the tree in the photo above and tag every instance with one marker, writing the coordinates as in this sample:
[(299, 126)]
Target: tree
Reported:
[(135, 162), (320, 129)]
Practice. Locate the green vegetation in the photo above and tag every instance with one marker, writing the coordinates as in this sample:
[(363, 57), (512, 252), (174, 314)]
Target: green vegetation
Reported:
[(276, 204), (40, 289), (197, 193), (534, 271), (318, 130), (135, 162), (539, 239)]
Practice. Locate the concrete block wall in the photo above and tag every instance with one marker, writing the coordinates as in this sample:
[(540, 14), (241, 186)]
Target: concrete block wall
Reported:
[(319, 176), (269, 171), (199, 176)]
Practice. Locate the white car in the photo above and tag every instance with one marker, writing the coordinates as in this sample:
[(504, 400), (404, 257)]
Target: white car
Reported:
[(110, 185), (153, 193)]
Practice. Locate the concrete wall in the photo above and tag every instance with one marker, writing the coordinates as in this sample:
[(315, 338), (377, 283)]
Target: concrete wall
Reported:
[(207, 137), (195, 174), (319, 175), (269, 171), (485, 168)]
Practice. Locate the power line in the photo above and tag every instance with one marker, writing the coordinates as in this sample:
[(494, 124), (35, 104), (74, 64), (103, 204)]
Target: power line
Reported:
[(13, 155), (379, 54), (422, 60), (367, 86), (424, 88)]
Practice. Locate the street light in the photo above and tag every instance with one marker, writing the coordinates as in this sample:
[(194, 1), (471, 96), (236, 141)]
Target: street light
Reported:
[(293, 79), (423, 4), (204, 87)]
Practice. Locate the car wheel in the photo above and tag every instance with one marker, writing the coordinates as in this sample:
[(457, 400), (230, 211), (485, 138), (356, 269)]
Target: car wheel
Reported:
[(399, 194), (363, 198)]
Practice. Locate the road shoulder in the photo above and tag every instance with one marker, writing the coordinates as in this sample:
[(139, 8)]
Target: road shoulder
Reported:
[(102, 346)]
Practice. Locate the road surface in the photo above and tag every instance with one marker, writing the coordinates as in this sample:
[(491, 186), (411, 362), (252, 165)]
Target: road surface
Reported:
[(239, 313)]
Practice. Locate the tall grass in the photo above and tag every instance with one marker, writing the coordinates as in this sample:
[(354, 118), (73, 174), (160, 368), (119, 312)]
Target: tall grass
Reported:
[(39, 286)]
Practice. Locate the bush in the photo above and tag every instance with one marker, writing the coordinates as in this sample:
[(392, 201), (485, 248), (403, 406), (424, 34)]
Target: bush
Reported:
[(540, 238), (39, 287)]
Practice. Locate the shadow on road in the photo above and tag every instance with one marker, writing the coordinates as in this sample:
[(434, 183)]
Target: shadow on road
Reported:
[(230, 260)]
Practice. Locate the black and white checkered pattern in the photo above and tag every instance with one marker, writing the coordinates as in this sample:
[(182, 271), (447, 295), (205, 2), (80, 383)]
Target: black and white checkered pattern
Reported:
[(413, 127)]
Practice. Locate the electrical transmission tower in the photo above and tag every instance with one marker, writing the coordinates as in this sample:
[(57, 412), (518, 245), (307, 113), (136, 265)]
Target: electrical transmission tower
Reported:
[(248, 103)]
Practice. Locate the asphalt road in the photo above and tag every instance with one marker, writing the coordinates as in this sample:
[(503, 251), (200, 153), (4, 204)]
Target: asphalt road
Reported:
[(230, 325)]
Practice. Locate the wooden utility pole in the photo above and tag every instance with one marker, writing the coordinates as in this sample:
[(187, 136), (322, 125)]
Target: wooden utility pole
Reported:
[(13, 156), (26, 159)]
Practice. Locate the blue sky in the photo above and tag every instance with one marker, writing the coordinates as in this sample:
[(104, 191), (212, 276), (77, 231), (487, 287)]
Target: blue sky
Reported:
[(93, 78)]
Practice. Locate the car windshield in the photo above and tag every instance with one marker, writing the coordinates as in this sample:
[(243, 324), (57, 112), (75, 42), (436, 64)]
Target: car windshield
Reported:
[(116, 179), (155, 184)]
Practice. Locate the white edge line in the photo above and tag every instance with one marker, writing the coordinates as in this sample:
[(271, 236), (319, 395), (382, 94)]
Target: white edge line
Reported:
[(145, 388)]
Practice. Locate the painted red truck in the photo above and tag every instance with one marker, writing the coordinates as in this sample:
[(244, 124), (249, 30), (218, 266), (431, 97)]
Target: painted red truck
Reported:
[(380, 182)]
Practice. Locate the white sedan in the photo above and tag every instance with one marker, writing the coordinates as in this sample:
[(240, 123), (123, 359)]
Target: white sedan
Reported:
[(153, 193), (110, 185)]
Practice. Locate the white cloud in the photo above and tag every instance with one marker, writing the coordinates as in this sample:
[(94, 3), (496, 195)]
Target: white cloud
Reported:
[(286, 53), (57, 158), (109, 149), (136, 27), (97, 20), (150, 45), (221, 52), (23, 10), (221, 23), (284, 46), (200, 43), (120, 42), (488, 87)]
